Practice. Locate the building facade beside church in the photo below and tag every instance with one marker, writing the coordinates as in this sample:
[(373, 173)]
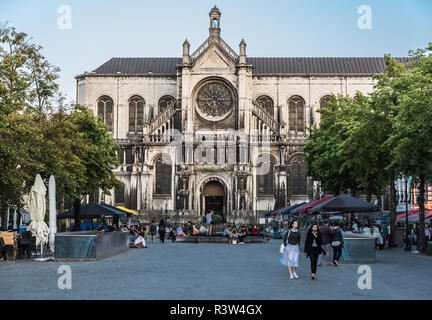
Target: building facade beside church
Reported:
[(215, 129)]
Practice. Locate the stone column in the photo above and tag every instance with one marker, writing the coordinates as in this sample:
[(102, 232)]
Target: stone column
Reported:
[(242, 86)]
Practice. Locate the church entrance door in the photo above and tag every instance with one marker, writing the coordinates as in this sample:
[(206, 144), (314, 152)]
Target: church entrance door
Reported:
[(214, 198)]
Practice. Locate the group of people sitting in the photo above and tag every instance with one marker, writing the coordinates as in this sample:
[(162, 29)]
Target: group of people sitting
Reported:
[(139, 234), (189, 229), (233, 233)]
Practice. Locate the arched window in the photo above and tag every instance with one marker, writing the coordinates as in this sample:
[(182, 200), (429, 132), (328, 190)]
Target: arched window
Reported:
[(324, 102), (94, 196), (265, 182), (215, 23), (165, 102), (105, 110), (298, 177), (136, 114), (296, 107), (266, 103), (119, 195), (162, 176)]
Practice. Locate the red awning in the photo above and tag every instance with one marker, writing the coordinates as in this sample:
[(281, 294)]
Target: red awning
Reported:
[(402, 215), (314, 204)]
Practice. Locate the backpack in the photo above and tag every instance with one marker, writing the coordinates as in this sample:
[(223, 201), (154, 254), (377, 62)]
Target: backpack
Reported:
[(286, 236)]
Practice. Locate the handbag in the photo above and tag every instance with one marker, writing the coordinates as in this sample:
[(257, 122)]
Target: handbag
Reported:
[(336, 243), (282, 248)]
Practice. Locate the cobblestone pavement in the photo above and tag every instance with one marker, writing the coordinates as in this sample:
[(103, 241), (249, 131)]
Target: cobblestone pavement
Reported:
[(215, 271)]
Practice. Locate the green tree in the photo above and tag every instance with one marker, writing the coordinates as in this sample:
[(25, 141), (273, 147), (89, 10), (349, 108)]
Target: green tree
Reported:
[(37, 135), (17, 132), (326, 159), (412, 137), (351, 149), (100, 156), (383, 101)]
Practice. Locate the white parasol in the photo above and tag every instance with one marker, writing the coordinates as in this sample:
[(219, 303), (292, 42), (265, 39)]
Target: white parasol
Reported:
[(37, 208)]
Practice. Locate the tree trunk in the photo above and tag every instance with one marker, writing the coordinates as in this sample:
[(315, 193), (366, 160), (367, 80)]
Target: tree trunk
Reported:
[(77, 204), (393, 203), (369, 196), (3, 218), (421, 243)]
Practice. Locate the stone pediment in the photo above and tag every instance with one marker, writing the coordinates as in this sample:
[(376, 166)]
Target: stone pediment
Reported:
[(214, 55)]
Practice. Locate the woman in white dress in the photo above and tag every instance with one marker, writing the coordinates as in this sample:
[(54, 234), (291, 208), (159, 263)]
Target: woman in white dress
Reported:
[(290, 257), (377, 234)]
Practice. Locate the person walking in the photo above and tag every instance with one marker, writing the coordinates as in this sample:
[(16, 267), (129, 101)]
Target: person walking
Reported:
[(161, 231), (313, 248), (384, 234), (378, 237), (153, 230), (209, 222), (337, 243), (324, 231), (290, 257), (427, 233)]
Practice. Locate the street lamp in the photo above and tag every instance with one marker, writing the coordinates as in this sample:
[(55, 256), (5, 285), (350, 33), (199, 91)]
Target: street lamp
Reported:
[(406, 214), (256, 212)]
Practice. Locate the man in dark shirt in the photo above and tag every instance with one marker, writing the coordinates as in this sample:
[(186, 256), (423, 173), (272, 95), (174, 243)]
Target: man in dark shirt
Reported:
[(242, 235), (324, 230)]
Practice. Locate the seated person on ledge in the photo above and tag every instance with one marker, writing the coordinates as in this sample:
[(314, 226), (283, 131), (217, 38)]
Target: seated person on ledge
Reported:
[(233, 233), (189, 228), (180, 232), (227, 231), (202, 230), (139, 241), (255, 231), (242, 235), (172, 235)]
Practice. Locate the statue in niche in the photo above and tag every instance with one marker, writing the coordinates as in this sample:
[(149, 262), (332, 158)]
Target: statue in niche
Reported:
[(193, 195), (242, 203), (185, 183)]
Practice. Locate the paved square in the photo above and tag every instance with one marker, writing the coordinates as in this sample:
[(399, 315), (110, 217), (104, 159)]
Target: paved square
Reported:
[(215, 271)]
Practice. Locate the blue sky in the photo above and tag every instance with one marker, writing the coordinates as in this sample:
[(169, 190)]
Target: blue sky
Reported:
[(102, 29)]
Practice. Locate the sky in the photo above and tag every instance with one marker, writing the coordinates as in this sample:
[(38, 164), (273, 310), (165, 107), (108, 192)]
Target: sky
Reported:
[(101, 29)]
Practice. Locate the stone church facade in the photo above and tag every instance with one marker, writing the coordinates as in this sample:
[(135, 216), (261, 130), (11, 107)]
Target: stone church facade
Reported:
[(215, 129)]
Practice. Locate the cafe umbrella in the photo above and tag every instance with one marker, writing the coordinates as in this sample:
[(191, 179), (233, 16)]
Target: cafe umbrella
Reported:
[(346, 204), (37, 208), (94, 211)]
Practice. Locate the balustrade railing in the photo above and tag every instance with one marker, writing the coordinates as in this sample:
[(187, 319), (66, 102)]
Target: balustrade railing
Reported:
[(222, 44), (162, 118), (159, 138), (265, 117), (200, 50)]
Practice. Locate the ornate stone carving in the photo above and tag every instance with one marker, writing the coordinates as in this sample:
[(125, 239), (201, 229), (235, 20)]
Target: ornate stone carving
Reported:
[(215, 101)]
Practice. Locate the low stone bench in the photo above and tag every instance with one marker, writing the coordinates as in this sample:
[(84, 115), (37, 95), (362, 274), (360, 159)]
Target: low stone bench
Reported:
[(217, 239), (89, 245), (358, 248)]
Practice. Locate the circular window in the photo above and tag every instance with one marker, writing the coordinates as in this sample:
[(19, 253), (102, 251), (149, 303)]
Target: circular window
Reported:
[(215, 101)]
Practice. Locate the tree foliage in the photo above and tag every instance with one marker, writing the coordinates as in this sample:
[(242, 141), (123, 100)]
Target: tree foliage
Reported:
[(38, 134), (365, 143), (412, 137)]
